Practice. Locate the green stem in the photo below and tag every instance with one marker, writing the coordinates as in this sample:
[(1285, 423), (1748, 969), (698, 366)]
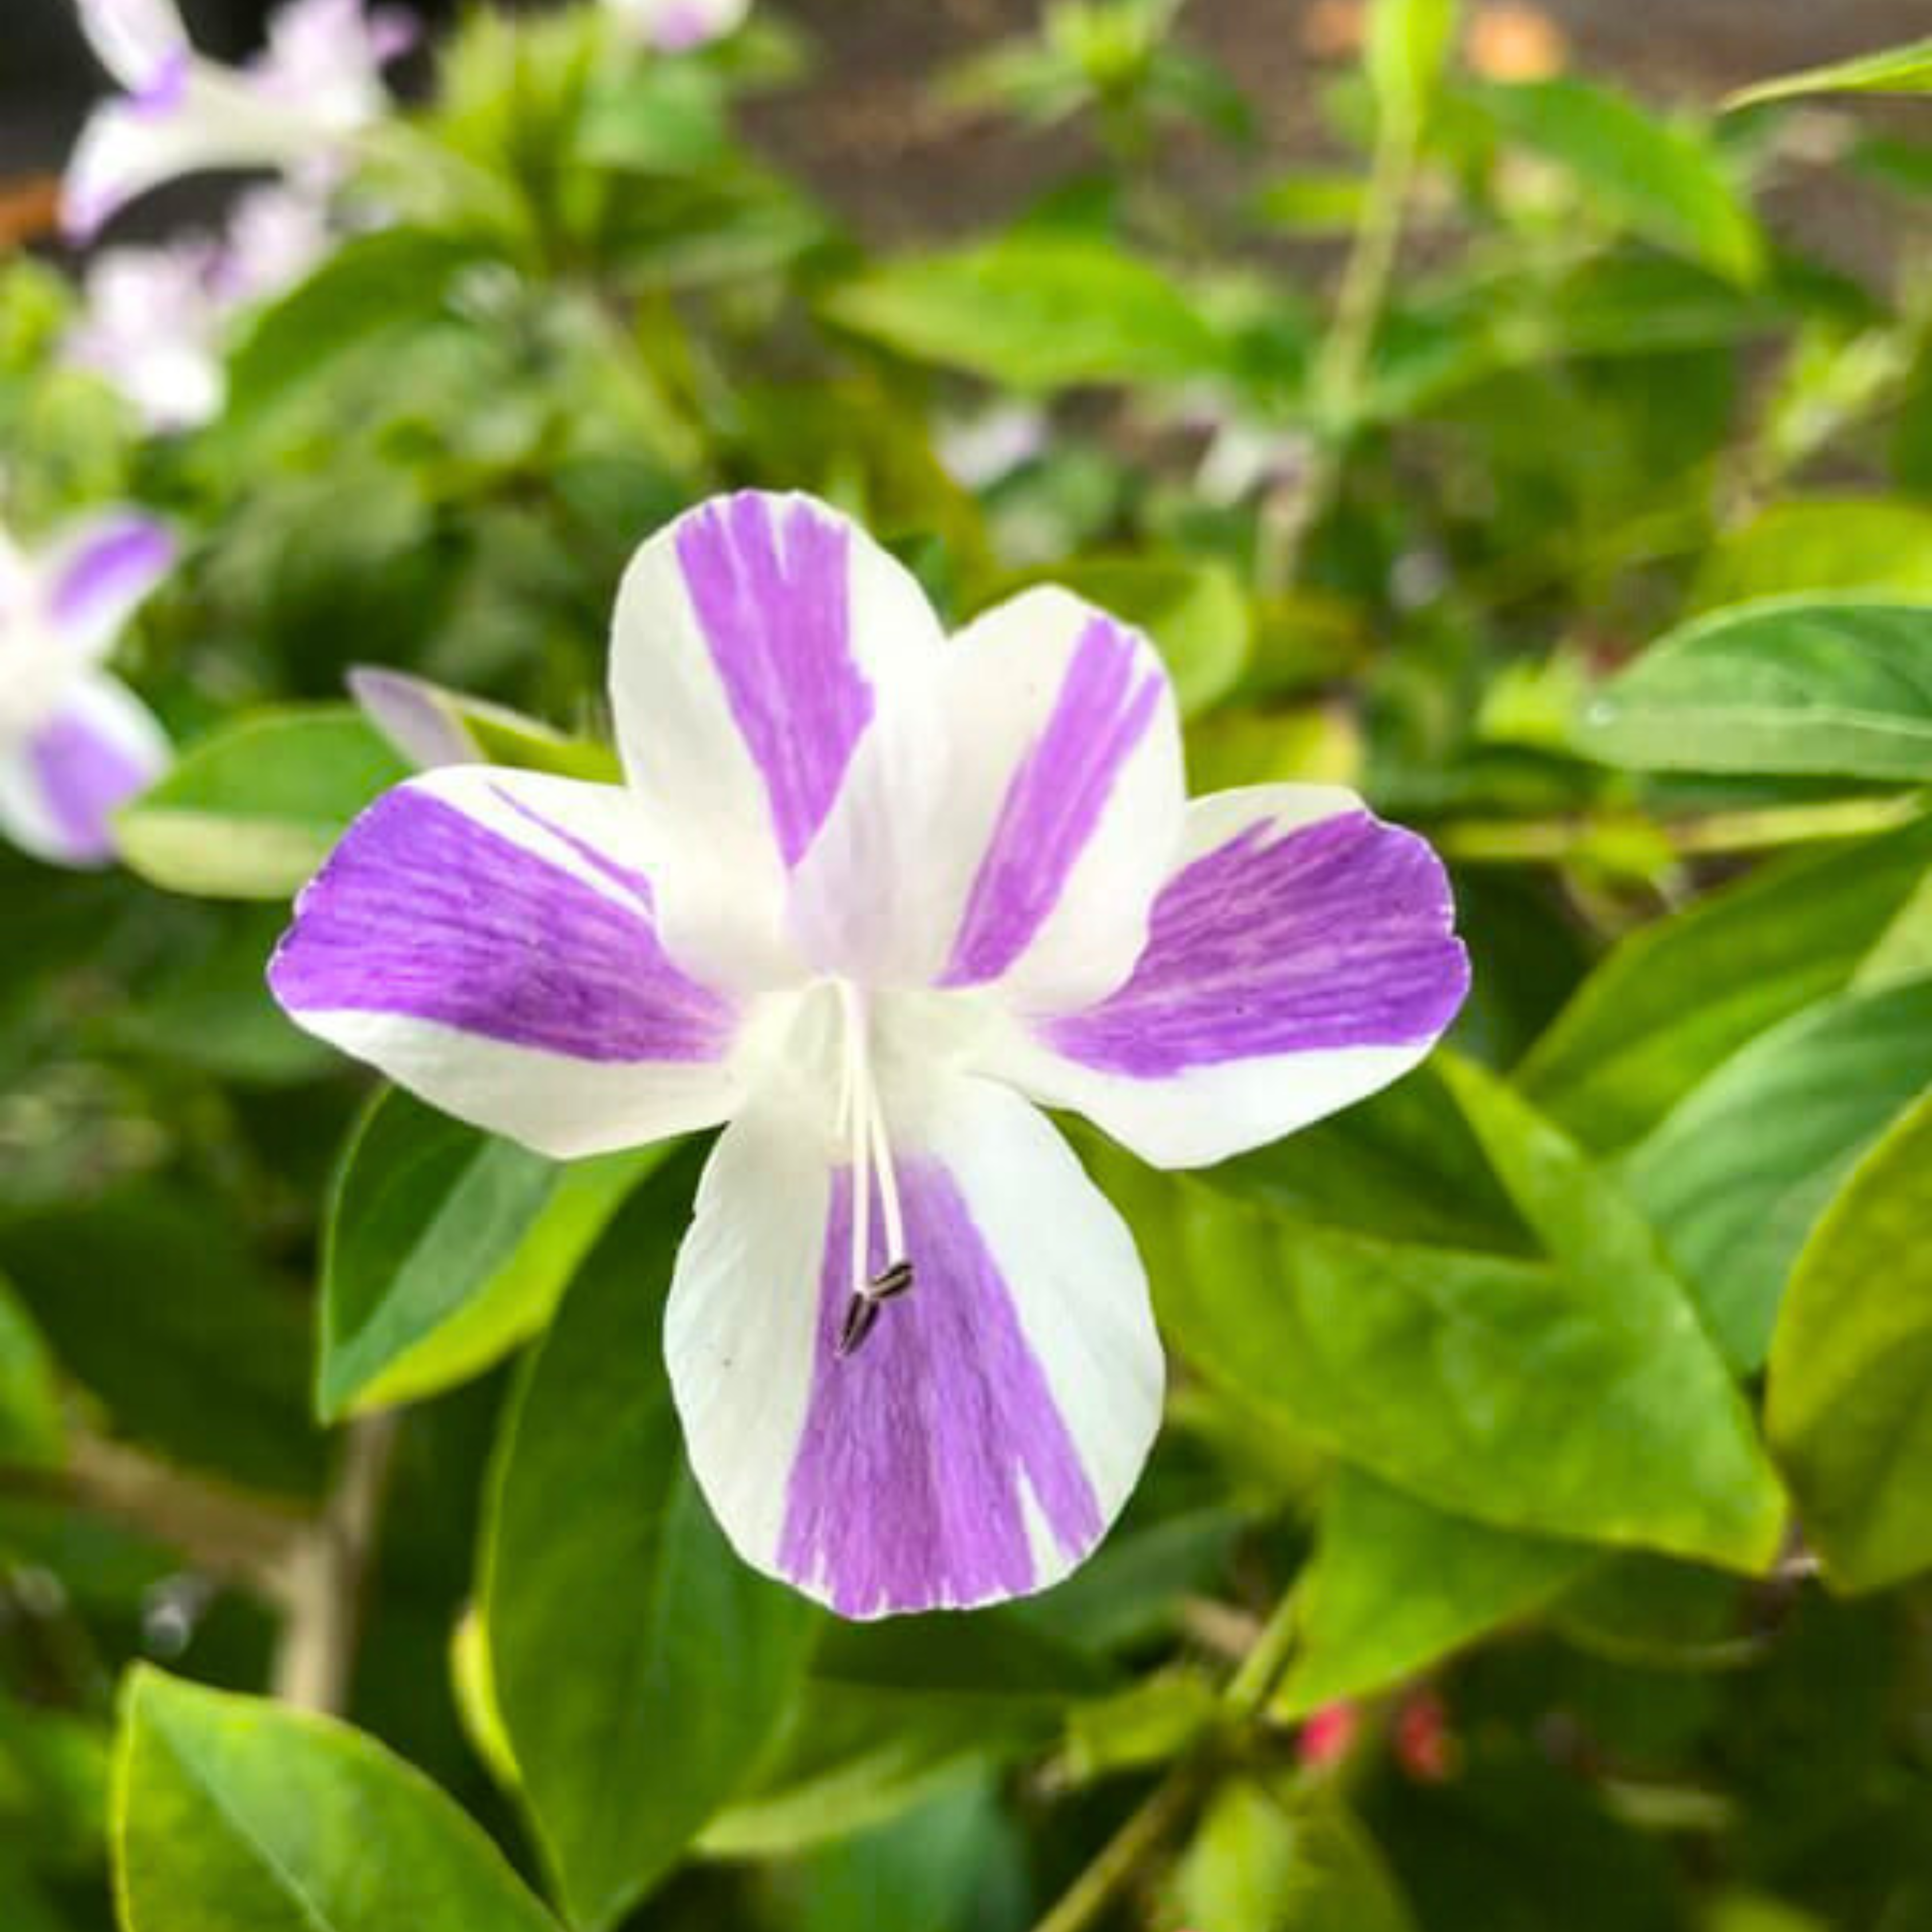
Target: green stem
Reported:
[(1167, 1806), (1530, 841), (1292, 510)]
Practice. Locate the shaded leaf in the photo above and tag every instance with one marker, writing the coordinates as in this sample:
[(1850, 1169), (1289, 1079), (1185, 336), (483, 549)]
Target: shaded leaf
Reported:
[(601, 1551), (1738, 1173), (1850, 1399)]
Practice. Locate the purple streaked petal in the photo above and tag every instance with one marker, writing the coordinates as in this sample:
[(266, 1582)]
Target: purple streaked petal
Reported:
[(85, 775), (100, 575), (769, 579), (427, 912), (1332, 935), (921, 1451), (1056, 799), (61, 784), (165, 89), (416, 716)]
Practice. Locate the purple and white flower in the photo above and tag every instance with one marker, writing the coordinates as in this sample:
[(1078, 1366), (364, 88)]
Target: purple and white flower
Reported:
[(75, 744), (156, 319), (297, 107), (872, 897), (679, 26)]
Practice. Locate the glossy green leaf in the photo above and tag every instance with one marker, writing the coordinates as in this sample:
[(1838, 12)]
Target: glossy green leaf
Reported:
[(1397, 1584), (1903, 70), (252, 810), (1666, 182), (1738, 1173), (232, 1815), (1838, 687), (1406, 47), (1677, 999), (429, 724), (1850, 1400), (1039, 312), (1576, 1397), (446, 1248), (601, 1551), (1814, 547)]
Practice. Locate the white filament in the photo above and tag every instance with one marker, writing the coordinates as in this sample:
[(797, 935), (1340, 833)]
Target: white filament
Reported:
[(865, 1124)]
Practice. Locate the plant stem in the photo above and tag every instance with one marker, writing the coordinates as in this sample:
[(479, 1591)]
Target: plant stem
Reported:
[(1165, 1807), (1551, 841), (1292, 510), (326, 1574)]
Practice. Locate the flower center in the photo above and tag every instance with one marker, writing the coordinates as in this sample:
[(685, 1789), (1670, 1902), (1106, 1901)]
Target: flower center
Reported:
[(863, 1121)]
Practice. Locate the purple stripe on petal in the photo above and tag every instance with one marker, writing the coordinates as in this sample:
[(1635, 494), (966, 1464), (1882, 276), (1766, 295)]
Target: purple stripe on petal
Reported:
[(627, 876), (164, 87), (110, 572), (1337, 935), (770, 581), (85, 776), (414, 716), (1055, 801), (425, 912), (919, 1450)]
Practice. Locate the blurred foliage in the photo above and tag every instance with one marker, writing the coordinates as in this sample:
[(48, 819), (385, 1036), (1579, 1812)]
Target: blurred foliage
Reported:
[(1552, 1431)]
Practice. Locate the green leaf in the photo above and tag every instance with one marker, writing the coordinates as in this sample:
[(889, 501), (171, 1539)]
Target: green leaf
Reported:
[(1036, 312), (149, 1297), (1849, 1406), (1906, 70), (1578, 1398), (1738, 1173), (601, 1551), (446, 1248), (1835, 687), (1676, 1000), (429, 724), (1812, 547), (1665, 183), (1194, 610), (32, 1431), (233, 1815), (850, 1758), (252, 809), (1397, 1585), (1405, 50), (1257, 1865), (391, 282)]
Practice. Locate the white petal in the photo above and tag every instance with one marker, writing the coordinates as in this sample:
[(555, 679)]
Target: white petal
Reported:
[(1302, 957), (1052, 800), (214, 121), (978, 1444), (61, 783), (486, 937), (756, 639), (138, 40)]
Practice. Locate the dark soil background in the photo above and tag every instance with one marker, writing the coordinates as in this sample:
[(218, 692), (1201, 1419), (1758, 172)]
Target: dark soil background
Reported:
[(861, 133)]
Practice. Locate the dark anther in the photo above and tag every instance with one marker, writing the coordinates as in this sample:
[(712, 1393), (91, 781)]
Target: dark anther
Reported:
[(892, 1282), (861, 1316)]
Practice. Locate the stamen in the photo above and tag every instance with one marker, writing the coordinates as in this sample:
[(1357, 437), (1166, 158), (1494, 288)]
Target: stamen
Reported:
[(863, 1122)]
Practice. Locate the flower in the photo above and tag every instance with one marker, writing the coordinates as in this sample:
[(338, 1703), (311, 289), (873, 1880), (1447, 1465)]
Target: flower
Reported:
[(678, 26), (75, 743), (868, 897), (296, 108), (156, 319)]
